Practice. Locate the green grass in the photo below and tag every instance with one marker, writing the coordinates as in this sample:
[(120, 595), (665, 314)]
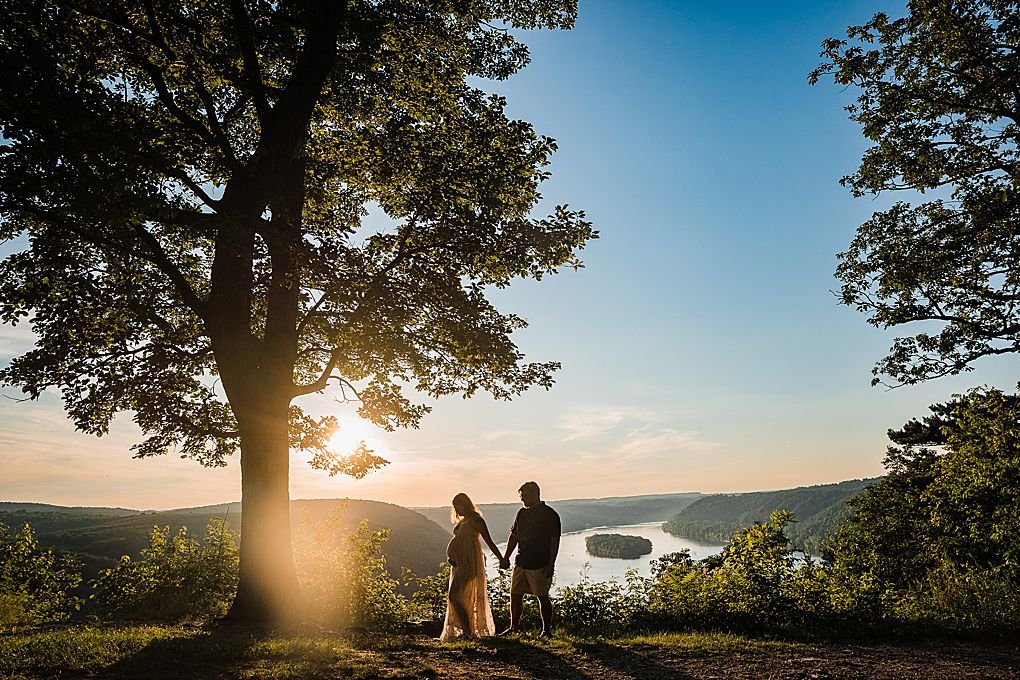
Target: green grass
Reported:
[(142, 652), (79, 648), (166, 651), (707, 642)]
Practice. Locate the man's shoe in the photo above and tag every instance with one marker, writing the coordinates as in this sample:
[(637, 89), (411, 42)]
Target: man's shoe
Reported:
[(545, 634)]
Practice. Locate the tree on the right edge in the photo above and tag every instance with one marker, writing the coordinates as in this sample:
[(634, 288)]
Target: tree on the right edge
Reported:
[(939, 98)]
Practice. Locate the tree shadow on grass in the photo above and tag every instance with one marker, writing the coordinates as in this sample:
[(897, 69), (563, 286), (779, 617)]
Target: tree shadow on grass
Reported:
[(208, 653), (630, 663), (231, 652), (537, 661)]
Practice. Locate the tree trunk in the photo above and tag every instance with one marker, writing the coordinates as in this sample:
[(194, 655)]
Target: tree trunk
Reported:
[(268, 593)]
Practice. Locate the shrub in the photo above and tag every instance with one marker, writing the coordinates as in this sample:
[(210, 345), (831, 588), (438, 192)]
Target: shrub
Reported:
[(177, 577), (428, 596), (604, 608), (962, 598), (36, 583), (344, 576)]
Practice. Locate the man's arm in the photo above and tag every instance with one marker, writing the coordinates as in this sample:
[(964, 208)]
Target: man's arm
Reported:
[(554, 545), (554, 548)]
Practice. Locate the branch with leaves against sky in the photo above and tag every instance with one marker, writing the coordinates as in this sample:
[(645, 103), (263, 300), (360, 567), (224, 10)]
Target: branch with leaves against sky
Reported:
[(188, 184), (939, 98)]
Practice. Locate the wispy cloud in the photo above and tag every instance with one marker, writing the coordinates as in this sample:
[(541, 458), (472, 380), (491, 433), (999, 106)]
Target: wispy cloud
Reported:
[(656, 443), (594, 421)]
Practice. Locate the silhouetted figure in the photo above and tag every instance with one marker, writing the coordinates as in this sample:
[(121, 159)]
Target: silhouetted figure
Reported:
[(467, 604), (536, 535)]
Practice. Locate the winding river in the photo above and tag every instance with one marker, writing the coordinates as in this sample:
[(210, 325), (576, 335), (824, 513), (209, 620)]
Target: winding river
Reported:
[(573, 559)]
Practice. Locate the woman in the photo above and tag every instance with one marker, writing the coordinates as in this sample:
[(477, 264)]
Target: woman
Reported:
[(467, 604)]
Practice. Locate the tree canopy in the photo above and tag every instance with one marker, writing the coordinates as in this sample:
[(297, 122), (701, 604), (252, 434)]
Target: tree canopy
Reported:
[(137, 137), (947, 514), (939, 98), (222, 206)]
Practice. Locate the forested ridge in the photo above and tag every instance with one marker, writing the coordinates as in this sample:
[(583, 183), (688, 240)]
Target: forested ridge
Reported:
[(816, 509), (100, 536)]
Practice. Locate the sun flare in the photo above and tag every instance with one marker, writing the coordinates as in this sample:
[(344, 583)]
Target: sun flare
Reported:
[(350, 434)]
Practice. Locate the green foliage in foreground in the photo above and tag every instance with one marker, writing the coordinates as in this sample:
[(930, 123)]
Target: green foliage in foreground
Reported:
[(345, 580), (178, 577), (36, 584), (937, 540)]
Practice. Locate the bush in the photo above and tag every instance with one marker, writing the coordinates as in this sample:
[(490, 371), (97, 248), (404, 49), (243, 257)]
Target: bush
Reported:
[(428, 596), (177, 577), (962, 598), (36, 583), (604, 608), (344, 577)]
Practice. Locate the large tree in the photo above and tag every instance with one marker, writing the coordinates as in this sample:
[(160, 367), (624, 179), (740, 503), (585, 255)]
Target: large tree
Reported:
[(188, 183), (949, 504), (939, 97)]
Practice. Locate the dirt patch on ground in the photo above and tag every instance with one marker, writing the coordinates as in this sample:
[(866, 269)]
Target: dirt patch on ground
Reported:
[(528, 659)]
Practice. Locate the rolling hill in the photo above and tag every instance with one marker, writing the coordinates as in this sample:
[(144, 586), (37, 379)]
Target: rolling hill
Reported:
[(99, 536), (817, 510)]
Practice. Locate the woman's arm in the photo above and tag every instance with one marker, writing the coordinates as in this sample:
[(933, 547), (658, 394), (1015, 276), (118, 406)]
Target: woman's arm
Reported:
[(483, 531)]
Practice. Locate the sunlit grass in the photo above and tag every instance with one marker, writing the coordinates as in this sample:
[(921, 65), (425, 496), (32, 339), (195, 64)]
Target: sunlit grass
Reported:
[(706, 642), (162, 652), (301, 657), (189, 653), (79, 648)]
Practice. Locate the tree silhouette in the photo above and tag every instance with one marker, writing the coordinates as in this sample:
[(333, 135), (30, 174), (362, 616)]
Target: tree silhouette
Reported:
[(940, 100), (188, 185)]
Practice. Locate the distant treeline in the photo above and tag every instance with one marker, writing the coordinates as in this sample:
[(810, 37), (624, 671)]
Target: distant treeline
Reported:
[(617, 545), (98, 537), (580, 513), (816, 509)]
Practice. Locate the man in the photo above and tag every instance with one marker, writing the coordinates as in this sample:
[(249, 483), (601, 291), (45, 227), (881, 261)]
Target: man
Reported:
[(536, 535)]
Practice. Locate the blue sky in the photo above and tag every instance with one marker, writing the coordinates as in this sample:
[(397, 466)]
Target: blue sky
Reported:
[(703, 349)]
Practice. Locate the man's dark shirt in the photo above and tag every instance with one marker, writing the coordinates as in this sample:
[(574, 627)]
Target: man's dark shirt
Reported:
[(535, 527)]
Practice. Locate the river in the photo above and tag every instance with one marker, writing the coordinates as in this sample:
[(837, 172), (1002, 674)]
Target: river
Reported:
[(574, 559)]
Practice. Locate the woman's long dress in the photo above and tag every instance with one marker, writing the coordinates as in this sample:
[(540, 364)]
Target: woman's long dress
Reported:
[(467, 586)]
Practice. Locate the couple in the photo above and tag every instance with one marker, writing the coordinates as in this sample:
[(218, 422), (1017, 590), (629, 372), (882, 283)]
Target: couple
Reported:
[(536, 536)]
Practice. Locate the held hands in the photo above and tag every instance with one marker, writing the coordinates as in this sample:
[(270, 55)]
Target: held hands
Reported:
[(504, 563)]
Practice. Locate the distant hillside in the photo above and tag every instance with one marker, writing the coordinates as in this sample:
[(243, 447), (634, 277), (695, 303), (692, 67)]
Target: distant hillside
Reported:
[(8, 506), (101, 535), (580, 513), (817, 509)]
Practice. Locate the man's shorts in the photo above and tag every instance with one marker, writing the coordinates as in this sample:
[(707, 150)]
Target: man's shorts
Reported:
[(530, 581)]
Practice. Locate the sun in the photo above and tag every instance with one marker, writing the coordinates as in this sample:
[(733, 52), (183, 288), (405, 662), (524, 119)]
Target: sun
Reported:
[(350, 434)]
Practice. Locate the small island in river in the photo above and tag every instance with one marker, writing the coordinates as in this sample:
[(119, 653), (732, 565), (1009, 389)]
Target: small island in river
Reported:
[(617, 545)]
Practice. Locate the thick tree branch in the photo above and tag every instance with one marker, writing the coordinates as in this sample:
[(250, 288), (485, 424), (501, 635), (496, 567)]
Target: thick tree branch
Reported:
[(317, 59), (252, 70), (159, 258), (153, 254), (323, 380)]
